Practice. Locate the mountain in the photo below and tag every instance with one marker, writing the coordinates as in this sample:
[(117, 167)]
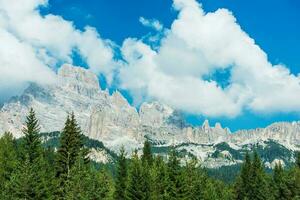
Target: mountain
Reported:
[(109, 118)]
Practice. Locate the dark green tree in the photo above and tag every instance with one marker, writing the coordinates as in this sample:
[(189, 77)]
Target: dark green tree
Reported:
[(136, 189), (86, 183), (32, 141), (147, 156), (8, 161), (259, 184), (176, 186), (121, 176), (159, 179), (31, 179), (244, 181), (71, 150), (281, 190)]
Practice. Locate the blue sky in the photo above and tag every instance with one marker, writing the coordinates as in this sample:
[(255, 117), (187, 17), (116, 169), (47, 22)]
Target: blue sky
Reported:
[(274, 25), (238, 65)]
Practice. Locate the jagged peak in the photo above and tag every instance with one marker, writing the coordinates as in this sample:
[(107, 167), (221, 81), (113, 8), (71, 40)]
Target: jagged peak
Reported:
[(157, 106), (218, 126), (79, 75), (205, 124), (119, 98)]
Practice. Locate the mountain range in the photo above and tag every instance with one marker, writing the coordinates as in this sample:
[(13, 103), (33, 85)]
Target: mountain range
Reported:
[(109, 118)]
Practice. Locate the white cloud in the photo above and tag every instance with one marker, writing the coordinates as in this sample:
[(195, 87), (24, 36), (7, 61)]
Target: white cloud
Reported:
[(173, 71), (197, 45), (152, 23), (32, 44)]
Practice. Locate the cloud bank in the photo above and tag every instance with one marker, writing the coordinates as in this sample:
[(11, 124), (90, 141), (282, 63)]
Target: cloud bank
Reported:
[(197, 45), (31, 45), (179, 71)]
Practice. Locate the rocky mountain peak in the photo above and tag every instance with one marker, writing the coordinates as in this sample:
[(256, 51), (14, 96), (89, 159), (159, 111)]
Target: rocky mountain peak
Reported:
[(78, 75), (205, 125)]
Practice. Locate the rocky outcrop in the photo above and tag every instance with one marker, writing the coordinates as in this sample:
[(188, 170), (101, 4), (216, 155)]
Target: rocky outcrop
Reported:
[(112, 120)]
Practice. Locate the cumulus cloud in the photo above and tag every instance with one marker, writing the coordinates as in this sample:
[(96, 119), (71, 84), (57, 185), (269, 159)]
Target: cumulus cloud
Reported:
[(177, 69), (152, 23), (31, 45), (197, 45)]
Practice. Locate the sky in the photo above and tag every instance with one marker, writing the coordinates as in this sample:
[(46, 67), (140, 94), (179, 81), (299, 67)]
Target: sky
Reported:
[(229, 61)]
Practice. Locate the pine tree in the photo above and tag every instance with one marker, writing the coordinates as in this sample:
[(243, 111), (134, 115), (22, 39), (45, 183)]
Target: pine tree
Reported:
[(22, 184), (121, 176), (147, 161), (174, 176), (136, 189), (194, 181), (8, 161), (243, 183), (147, 156), (259, 184), (31, 180), (281, 190), (71, 149), (32, 141), (103, 188), (159, 180)]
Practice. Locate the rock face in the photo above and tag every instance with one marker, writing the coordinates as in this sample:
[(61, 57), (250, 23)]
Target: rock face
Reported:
[(112, 120)]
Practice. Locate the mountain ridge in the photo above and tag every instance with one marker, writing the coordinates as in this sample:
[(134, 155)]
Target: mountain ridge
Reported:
[(109, 118)]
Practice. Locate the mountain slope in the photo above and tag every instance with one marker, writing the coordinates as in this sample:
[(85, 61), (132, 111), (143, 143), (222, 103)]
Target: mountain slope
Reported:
[(110, 119)]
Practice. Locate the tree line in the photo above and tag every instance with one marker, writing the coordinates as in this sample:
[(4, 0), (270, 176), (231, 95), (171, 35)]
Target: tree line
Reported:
[(30, 171)]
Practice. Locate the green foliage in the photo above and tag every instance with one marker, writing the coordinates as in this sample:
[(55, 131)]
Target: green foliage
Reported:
[(71, 150), (138, 187), (32, 140), (121, 176), (147, 157), (30, 169)]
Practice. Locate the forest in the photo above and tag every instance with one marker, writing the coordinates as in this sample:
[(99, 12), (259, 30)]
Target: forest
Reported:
[(31, 171)]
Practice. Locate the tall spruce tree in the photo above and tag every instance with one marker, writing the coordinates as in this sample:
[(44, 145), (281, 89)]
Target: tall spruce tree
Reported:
[(259, 184), (194, 181), (136, 189), (8, 162), (121, 176), (176, 187), (147, 161), (159, 179), (147, 156), (71, 150), (281, 189), (31, 180), (32, 141), (243, 183)]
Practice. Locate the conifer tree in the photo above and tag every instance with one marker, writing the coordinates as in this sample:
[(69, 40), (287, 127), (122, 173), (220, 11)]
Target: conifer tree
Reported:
[(71, 150), (31, 180), (136, 183), (22, 184), (147, 156), (243, 183), (281, 190), (87, 183), (259, 184), (32, 141), (8, 161), (121, 176), (174, 175), (147, 161), (193, 181), (159, 179)]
